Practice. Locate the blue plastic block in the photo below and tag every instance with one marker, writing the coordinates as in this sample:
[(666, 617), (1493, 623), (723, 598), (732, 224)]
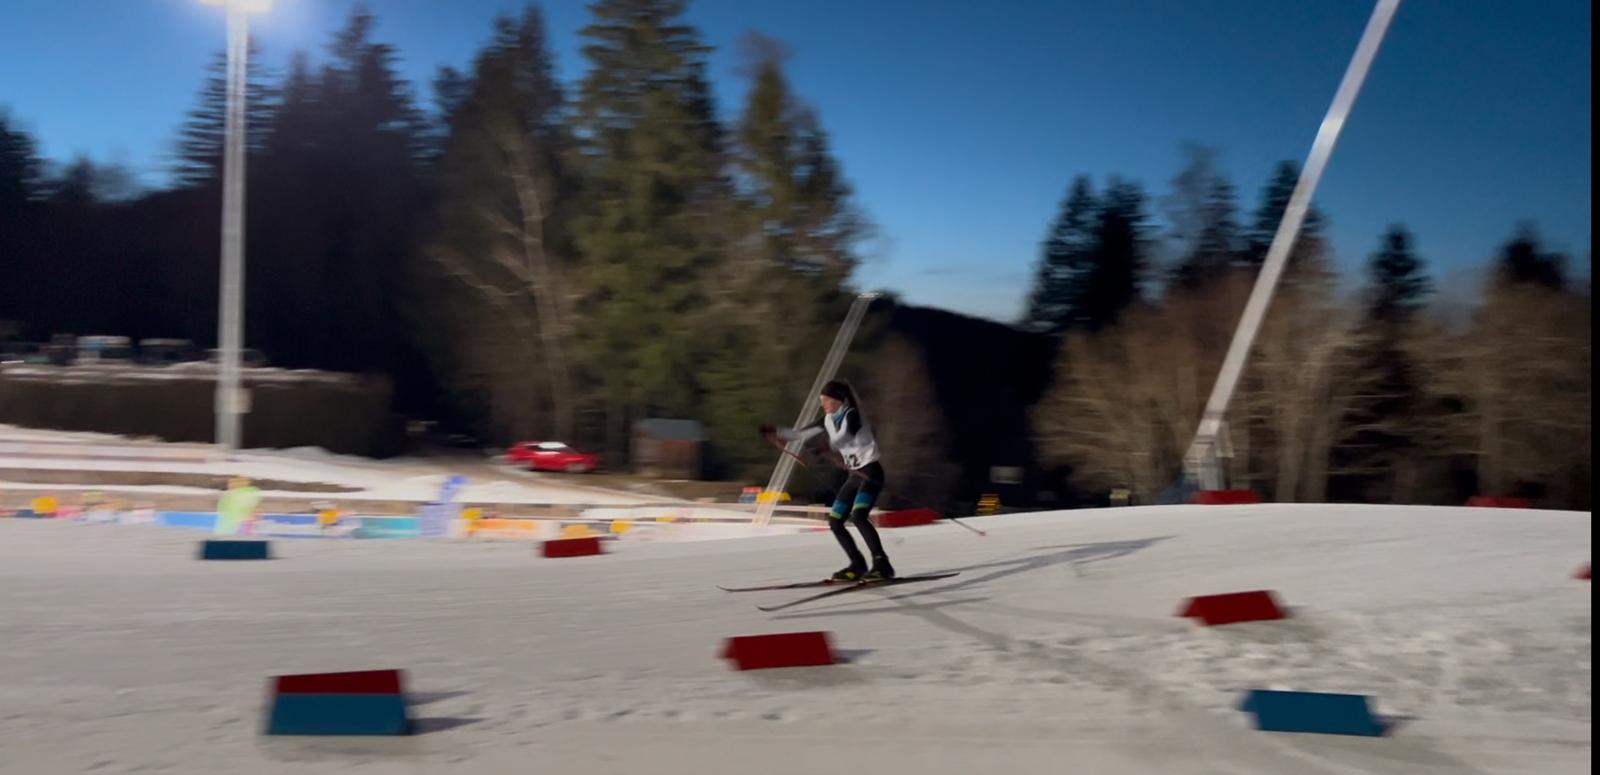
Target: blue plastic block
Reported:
[(217, 549), (198, 520), (1314, 712), (338, 714)]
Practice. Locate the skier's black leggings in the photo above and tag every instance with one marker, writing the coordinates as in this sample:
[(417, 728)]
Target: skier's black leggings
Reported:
[(855, 499)]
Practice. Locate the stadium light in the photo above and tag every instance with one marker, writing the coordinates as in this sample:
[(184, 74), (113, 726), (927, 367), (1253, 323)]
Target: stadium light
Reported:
[(1203, 463), (231, 403)]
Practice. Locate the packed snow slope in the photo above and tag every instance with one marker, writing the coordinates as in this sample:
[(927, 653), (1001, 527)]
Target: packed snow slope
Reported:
[(1055, 651)]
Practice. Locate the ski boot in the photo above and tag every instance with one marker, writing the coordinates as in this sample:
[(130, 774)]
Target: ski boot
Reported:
[(852, 573), (881, 570)]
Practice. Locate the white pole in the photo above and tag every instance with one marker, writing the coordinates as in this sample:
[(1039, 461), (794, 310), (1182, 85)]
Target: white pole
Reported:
[(812, 405), (1211, 422), (230, 320)]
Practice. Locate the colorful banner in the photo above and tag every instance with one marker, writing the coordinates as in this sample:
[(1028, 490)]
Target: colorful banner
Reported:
[(301, 525)]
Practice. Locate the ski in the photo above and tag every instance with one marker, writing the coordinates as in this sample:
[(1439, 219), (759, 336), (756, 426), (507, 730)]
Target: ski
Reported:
[(859, 585), (790, 585)]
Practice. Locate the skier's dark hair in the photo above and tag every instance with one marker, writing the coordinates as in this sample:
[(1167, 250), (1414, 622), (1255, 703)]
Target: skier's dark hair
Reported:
[(839, 390)]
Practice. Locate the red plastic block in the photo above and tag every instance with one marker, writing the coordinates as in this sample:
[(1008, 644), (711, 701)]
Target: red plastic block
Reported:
[(1254, 606), (573, 547), (908, 518), (1225, 497), (1583, 573), (1498, 502), (788, 649), (362, 682)]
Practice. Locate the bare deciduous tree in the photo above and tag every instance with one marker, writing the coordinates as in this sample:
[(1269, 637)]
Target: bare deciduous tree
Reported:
[(1306, 375), (1128, 398), (910, 427), (1522, 376)]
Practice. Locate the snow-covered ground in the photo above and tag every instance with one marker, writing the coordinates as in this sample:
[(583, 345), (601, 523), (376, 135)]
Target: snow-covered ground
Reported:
[(1055, 651)]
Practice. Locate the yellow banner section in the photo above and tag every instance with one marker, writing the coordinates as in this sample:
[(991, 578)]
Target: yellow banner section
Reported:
[(502, 525)]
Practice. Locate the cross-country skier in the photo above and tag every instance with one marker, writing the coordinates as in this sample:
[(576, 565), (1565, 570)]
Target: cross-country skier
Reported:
[(850, 437)]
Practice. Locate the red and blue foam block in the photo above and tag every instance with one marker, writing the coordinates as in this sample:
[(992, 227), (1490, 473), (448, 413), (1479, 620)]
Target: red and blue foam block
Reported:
[(370, 702)]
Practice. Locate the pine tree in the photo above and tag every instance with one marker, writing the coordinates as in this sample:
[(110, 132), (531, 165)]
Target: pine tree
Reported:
[(202, 136), (291, 205), (295, 123), (1095, 259), (1398, 282), (77, 236), (1523, 260), (21, 184), (335, 209), (790, 179), (1203, 211), (649, 150), (779, 293), (375, 109), (1121, 256), (1392, 423), (20, 168), (1305, 255), (451, 88), (1068, 258)]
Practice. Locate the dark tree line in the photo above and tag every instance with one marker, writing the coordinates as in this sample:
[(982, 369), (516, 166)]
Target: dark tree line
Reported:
[(337, 183)]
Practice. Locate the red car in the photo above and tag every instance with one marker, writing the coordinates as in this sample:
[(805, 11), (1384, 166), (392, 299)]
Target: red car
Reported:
[(551, 456)]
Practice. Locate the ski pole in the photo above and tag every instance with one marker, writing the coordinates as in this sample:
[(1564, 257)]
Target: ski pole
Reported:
[(785, 450), (967, 526)]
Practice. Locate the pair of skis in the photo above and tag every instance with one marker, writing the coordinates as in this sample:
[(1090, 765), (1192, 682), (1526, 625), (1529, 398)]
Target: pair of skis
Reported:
[(836, 587)]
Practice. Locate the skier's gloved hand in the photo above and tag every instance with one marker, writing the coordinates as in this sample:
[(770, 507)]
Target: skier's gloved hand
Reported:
[(769, 432)]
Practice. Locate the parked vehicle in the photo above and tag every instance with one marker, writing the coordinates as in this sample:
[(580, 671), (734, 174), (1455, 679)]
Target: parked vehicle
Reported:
[(551, 456), (62, 350), (23, 352), (163, 352), (105, 349)]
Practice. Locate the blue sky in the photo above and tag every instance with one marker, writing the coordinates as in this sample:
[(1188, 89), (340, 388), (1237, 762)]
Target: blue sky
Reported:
[(961, 124)]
